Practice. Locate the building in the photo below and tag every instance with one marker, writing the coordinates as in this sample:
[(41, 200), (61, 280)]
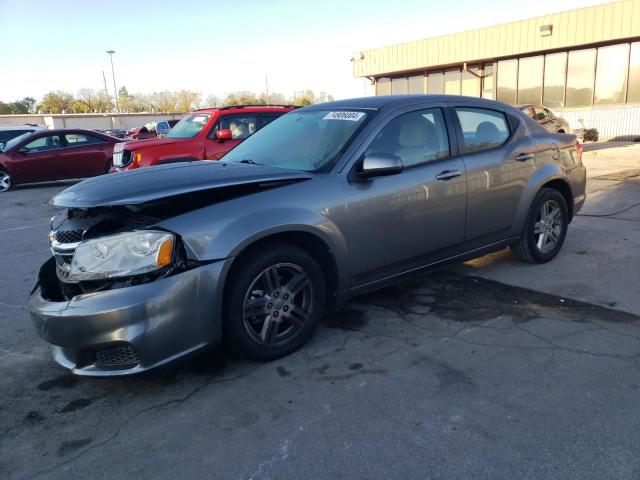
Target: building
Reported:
[(584, 64)]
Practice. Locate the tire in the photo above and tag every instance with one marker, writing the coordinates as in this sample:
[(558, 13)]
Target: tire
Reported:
[(541, 241), (6, 181), (274, 303)]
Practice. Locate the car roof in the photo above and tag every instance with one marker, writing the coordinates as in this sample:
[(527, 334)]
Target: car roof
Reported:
[(398, 101), (246, 108)]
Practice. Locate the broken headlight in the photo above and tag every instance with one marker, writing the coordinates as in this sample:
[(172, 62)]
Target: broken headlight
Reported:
[(121, 255)]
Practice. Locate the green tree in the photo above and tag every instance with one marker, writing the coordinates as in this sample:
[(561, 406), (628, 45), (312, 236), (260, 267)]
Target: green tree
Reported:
[(126, 102), (304, 98), (240, 98), (56, 102), (186, 100)]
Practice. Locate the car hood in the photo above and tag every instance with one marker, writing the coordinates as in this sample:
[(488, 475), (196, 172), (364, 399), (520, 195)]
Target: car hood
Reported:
[(151, 142), (153, 183)]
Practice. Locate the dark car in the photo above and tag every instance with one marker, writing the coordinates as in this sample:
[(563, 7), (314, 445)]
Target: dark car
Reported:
[(45, 155), (8, 133), (546, 118), (163, 127), (324, 203)]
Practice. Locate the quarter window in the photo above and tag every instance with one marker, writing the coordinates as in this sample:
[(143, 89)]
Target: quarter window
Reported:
[(417, 138), (42, 144), (482, 129)]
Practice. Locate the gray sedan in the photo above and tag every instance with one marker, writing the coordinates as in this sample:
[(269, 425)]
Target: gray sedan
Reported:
[(325, 203)]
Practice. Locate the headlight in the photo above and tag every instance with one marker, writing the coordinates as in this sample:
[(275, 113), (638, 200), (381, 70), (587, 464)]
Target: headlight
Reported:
[(121, 255)]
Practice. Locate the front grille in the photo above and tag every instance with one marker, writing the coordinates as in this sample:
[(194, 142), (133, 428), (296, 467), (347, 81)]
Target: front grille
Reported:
[(68, 236), (117, 356)]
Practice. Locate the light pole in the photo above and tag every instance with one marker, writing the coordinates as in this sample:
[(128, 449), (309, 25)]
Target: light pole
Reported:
[(113, 74)]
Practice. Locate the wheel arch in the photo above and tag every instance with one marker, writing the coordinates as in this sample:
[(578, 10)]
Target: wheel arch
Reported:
[(562, 186), (313, 244)]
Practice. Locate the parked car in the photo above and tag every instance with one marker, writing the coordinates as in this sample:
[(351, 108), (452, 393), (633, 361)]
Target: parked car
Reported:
[(163, 127), (202, 135), (545, 117), (325, 203), (140, 133), (44, 155), (116, 132), (8, 133)]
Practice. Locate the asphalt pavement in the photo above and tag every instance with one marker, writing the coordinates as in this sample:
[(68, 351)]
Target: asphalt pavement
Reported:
[(451, 376)]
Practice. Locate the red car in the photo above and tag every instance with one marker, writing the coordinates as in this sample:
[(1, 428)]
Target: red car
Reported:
[(46, 155), (202, 135)]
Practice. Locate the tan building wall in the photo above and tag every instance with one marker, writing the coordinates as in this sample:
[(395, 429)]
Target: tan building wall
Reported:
[(591, 25)]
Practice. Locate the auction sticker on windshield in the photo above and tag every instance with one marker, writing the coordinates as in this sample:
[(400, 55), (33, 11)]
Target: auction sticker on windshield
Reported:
[(349, 116)]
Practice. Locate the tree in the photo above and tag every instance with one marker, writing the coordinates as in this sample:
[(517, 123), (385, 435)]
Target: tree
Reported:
[(126, 102), (211, 102), (186, 100), (304, 98), (56, 102), (240, 98)]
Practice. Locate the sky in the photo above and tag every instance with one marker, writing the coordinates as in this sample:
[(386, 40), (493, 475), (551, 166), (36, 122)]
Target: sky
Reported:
[(215, 47)]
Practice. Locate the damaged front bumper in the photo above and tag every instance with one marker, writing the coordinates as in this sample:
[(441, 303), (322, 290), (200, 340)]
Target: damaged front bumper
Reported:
[(136, 328)]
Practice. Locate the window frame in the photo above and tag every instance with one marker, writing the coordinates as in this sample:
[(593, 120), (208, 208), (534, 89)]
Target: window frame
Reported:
[(509, 118), (19, 148), (66, 143), (352, 165)]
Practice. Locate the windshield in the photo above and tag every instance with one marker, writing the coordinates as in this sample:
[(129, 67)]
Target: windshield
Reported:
[(6, 146), (189, 126), (301, 140)]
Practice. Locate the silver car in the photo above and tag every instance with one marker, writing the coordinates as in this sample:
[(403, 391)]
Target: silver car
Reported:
[(325, 203)]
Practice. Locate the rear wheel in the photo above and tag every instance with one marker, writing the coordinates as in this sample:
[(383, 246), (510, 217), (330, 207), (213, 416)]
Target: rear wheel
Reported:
[(275, 302), (545, 228), (5, 181)]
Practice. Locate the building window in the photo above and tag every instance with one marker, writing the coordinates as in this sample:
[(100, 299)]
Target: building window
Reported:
[(611, 74), (507, 80), (488, 81), (530, 80), (580, 75), (435, 83), (416, 84), (398, 86), (452, 82), (634, 74), (471, 82), (555, 74), (383, 86)]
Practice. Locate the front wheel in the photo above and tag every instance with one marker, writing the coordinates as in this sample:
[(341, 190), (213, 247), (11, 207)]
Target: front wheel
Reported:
[(5, 181), (274, 303), (545, 228)]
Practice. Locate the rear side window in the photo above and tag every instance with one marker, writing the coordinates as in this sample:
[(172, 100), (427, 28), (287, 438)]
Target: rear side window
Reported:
[(416, 137), (80, 139), (483, 129)]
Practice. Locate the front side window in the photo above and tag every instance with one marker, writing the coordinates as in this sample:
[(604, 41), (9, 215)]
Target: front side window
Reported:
[(241, 127), (416, 137), (301, 140), (482, 129), (42, 144), (189, 126), (79, 139)]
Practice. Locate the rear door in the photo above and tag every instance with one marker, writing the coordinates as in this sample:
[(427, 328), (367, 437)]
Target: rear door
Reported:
[(241, 126), (85, 155), (40, 159), (498, 157)]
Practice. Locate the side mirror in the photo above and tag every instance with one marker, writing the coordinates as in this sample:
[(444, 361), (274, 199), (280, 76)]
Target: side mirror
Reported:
[(378, 164), (224, 134)]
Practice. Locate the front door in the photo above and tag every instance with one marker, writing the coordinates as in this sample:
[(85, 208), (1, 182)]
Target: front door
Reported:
[(241, 127), (399, 222), (40, 159)]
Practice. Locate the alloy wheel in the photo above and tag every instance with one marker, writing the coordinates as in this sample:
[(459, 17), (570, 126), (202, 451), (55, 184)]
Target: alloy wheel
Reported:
[(5, 181), (548, 227), (277, 305)]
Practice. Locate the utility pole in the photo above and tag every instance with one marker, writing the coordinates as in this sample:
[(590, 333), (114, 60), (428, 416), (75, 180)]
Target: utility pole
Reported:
[(115, 90), (106, 91), (266, 82)]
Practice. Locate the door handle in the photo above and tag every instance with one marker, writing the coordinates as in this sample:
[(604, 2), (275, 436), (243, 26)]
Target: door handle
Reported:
[(448, 174), (523, 157)]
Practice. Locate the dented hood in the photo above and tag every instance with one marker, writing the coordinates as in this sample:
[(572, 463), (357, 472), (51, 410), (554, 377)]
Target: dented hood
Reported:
[(148, 184)]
